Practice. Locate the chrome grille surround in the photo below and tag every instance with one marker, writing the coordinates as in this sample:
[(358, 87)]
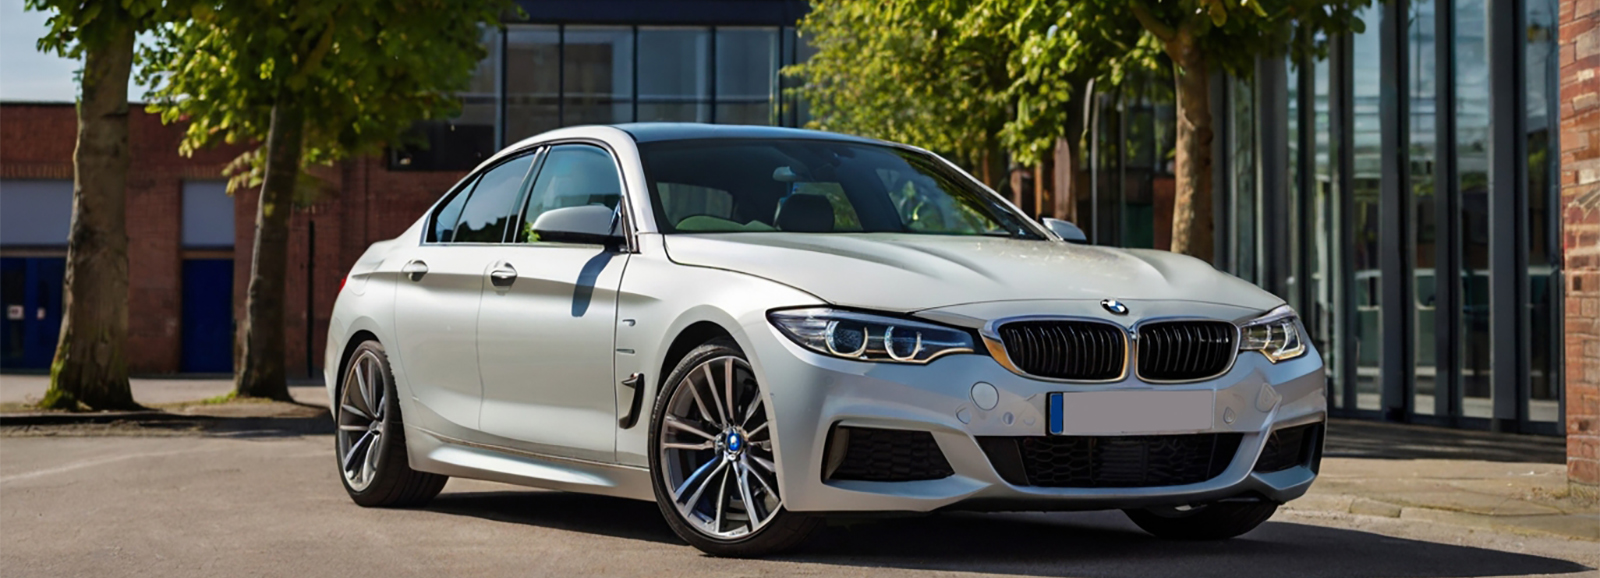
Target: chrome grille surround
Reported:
[(1186, 339)]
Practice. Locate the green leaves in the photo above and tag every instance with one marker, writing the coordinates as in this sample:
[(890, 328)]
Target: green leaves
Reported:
[(362, 70)]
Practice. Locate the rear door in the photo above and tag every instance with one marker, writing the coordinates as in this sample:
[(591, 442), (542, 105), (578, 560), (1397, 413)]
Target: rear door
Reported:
[(547, 321), (442, 281)]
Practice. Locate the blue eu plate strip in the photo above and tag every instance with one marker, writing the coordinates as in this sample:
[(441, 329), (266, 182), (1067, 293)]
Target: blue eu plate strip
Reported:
[(1056, 426)]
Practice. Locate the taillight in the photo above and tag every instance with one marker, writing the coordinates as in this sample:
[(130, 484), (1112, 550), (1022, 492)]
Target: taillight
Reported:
[(342, 282)]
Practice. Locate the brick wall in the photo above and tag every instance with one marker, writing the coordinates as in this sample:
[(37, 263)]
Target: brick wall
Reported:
[(1580, 210)]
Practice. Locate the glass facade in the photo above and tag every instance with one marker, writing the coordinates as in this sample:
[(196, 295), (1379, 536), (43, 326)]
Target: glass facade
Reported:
[(1400, 243), (539, 77)]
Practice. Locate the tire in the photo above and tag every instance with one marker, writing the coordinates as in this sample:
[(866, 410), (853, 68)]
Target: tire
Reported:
[(1210, 522), (378, 473), (708, 521)]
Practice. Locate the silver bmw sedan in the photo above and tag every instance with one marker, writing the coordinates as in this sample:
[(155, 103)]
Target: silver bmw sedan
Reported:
[(757, 328)]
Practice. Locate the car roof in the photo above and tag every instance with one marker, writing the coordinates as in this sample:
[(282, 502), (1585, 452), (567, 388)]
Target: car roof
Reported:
[(644, 132)]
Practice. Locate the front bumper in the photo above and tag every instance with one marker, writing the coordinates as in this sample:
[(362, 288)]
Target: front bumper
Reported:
[(811, 394)]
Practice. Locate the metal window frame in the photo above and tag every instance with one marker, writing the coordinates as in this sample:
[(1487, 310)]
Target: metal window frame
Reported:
[(1508, 209), (1395, 263)]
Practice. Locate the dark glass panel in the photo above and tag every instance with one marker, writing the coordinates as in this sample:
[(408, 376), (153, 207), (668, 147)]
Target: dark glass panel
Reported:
[(597, 74)]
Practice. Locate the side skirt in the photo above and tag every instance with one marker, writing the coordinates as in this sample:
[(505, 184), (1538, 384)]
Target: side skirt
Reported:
[(440, 454)]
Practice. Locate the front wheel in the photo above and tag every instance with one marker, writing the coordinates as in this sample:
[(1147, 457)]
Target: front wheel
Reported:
[(1209, 522), (711, 459)]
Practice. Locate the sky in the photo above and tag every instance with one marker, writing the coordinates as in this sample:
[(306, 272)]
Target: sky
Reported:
[(29, 75)]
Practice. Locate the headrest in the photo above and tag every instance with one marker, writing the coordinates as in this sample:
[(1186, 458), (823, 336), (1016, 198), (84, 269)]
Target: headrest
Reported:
[(803, 213)]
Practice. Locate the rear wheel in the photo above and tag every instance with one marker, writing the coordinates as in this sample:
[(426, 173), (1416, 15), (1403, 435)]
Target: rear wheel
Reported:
[(371, 440), (711, 457), (1209, 522)]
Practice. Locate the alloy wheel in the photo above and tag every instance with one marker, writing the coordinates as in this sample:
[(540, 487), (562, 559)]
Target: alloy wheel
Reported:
[(361, 423), (716, 451)]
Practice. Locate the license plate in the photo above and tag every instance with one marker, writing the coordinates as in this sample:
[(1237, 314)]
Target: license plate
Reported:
[(1131, 411)]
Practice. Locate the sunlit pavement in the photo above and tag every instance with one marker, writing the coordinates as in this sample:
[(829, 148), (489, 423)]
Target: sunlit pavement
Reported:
[(271, 504)]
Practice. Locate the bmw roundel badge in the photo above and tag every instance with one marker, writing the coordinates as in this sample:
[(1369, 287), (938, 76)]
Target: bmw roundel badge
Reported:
[(1114, 306)]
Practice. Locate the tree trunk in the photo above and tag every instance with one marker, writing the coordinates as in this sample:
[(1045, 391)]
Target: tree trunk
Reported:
[(90, 366), (261, 367), (1192, 222)]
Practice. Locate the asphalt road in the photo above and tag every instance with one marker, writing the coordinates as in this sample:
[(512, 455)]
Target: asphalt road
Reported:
[(272, 506)]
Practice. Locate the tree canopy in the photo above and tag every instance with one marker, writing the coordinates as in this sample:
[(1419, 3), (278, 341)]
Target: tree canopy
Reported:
[(363, 70)]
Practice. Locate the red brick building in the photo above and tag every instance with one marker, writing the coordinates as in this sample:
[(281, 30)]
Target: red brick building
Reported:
[(1580, 209)]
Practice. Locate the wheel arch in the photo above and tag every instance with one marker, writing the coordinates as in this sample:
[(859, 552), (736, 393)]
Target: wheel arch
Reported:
[(690, 337)]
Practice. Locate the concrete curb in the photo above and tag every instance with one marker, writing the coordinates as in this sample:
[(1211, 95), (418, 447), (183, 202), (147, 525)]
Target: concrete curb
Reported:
[(243, 425)]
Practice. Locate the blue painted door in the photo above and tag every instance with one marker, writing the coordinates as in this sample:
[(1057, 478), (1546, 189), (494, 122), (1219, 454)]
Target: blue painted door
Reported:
[(208, 316), (30, 302)]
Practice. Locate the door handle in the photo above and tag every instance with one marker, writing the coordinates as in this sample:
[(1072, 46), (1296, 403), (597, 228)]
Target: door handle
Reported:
[(415, 270), (503, 276)]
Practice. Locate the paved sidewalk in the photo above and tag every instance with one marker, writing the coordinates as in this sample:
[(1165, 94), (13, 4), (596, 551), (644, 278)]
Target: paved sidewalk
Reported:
[(1500, 481)]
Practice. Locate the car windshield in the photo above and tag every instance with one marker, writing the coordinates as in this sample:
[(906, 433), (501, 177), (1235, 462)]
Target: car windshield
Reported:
[(816, 186)]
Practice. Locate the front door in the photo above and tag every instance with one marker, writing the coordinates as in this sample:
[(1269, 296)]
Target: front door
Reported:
[(546, 326)]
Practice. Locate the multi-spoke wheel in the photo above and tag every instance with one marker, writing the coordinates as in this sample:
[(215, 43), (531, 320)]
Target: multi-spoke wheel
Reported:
[(371, 440), (715, 474)]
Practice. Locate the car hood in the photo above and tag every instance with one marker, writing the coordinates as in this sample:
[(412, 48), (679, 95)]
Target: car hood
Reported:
[(907, 272)]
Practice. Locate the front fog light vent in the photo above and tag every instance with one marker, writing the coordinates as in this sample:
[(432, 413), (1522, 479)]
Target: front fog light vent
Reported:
[(883, 455)]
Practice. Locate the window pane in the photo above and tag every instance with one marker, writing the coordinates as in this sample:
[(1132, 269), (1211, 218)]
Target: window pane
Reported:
[(207, 214), (1367, 162), (598, 69), (448, 214), (1472, 162), (674, 74), (35, 212), (572, 176), (1244, 180), (493, 202), (1324, 236), (1424, 238), (533, 81), (1542, 61), (747, 75)]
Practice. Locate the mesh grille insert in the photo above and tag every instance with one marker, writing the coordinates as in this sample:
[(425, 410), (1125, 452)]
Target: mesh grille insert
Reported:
[(886, 455), (1111, 461)]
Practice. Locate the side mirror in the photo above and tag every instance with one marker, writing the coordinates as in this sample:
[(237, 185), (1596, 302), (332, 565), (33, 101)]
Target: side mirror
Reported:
[(1067, 231), (593, 224)]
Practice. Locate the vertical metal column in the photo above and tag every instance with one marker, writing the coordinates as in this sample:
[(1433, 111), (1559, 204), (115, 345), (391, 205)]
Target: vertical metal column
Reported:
[(1508, 252), (500, 89), (1342, 120), (1447, 221), (1306, 161), (1394, 202), (1222, 238), (1272, 165)]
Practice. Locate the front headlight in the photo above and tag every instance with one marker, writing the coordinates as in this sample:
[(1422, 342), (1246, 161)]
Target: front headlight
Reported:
[(1276, 335), (867, 337)]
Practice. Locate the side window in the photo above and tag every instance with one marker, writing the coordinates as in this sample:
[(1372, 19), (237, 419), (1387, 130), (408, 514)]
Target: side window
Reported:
[(571, 176), (446, 216), (493, 203)]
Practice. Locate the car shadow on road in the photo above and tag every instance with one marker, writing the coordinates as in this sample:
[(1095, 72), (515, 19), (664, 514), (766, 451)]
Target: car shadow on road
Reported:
[(1053, 544)]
